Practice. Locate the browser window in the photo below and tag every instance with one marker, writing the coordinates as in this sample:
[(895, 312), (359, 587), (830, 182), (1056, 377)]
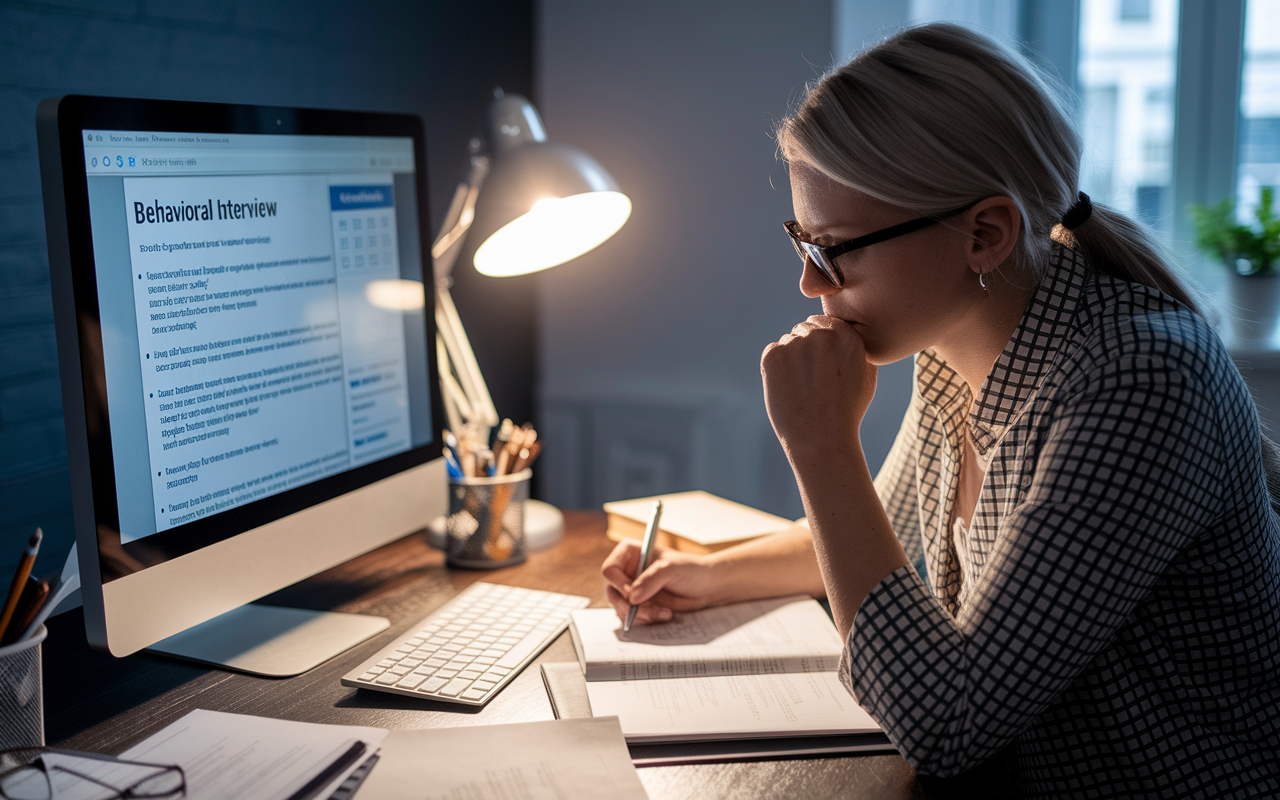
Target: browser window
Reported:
[(244, 272)]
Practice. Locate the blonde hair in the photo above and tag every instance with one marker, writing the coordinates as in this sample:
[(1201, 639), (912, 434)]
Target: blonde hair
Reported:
[(938, 117)]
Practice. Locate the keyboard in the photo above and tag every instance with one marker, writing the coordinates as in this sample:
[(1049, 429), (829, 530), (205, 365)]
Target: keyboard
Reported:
[(469, 648)]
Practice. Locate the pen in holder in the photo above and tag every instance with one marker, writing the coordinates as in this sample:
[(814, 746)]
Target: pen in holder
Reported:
[(486, 520), (21, 693)]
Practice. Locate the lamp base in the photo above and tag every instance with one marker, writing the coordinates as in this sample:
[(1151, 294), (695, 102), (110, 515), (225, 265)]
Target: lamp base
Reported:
[(543, 527)]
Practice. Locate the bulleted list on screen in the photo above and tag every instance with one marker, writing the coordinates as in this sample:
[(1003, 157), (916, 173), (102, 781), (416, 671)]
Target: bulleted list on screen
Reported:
[(254, 345)]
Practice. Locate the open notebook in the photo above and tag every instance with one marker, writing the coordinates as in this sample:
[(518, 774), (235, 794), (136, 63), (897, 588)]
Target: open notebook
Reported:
[(761, 669)]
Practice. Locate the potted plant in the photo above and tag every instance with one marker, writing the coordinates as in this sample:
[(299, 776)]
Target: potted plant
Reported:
[(1251, 253)]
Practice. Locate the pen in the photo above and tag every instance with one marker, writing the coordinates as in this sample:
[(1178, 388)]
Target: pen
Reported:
[(646, 551), (20, 579), (330, 772)]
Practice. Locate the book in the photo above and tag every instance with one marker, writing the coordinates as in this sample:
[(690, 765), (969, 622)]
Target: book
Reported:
[(694, 522), (761, 669)]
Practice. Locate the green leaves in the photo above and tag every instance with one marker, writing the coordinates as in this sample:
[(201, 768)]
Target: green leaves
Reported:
[(1246, 249)]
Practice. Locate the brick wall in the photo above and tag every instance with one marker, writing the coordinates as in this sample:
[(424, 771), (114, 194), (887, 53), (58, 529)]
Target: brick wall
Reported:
[(437, 59)]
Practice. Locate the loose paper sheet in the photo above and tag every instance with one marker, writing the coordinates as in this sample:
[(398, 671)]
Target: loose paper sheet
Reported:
[(786, 634), (227, 757), (733, 707), (556, 760)]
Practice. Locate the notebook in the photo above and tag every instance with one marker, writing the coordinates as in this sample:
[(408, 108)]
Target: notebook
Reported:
[(761, 669)]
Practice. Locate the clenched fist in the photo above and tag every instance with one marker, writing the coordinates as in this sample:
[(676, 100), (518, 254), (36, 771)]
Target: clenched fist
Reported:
[(817, 384)]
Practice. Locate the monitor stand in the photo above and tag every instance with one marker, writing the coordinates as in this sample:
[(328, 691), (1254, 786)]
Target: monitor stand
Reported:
[(271, 641)]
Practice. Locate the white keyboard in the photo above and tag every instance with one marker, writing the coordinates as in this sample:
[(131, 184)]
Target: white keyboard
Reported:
[(472, 646)]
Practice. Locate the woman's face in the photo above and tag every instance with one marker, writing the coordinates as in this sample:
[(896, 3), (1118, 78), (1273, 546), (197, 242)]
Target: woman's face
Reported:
[(902, 295)]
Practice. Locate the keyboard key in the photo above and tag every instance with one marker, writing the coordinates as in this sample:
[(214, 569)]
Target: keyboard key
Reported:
[(387, 678), (435, 662), (411, 681), (433, 684), (472, 694), (456, 687), (522, 650), (368, 677), (484, 686), (469, 674), (446, 673)]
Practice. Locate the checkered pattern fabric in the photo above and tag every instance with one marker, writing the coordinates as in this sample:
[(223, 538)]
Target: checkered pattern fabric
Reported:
[(1112, 616)]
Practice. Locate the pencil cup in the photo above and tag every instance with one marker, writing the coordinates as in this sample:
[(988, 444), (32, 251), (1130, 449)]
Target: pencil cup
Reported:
[(21, 693), (486, 520)]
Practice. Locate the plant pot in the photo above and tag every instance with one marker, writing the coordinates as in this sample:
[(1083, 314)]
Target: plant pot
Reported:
[(1255, 306)]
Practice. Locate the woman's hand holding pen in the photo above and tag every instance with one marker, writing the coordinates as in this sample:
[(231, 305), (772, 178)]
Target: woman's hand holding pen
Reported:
[(674, 581), (817, 384)]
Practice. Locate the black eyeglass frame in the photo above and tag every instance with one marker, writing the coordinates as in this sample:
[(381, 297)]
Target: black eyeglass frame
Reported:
[(824, 257), (126, 793)]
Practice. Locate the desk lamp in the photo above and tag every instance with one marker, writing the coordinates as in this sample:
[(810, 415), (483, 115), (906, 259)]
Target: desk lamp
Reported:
[(543, 203)]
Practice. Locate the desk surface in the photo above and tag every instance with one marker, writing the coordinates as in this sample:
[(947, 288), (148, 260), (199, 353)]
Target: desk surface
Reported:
[(103, 704)]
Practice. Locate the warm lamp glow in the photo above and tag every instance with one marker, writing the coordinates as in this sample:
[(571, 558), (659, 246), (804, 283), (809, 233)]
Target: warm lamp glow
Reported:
[(556, 230), (396, 295)]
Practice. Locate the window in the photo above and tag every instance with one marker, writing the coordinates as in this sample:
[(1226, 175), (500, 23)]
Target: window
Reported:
[(1135, 10), (1126, 79), (1259, 152)]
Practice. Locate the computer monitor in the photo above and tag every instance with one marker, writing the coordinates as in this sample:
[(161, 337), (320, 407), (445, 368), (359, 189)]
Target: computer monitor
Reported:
[(242, 300)]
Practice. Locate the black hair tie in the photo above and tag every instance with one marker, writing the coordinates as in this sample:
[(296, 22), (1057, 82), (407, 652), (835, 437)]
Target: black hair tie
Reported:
[(1078, 214)]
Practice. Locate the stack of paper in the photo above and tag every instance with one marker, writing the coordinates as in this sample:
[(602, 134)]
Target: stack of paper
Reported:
[(230, 757), (750, 670)]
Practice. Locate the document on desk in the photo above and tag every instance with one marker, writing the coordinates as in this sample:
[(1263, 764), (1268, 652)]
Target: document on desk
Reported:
[(762, 669), (554, 760), (240, 757)]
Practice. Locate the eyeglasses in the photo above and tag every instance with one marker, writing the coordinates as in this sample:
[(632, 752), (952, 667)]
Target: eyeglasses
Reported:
[(45, 772), (824, 258)]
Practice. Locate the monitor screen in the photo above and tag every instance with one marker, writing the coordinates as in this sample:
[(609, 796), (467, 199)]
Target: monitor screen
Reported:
[(247, 347), (252, 315)]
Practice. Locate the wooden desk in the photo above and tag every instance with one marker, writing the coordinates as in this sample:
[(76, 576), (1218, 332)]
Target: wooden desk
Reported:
[(99, 703)]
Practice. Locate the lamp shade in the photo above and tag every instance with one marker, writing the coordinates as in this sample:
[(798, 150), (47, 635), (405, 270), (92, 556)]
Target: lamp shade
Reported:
[(543, 203)]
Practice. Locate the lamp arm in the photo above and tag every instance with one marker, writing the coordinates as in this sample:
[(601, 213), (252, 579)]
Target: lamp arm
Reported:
[(467, 398), (457, 221), (463, 360)]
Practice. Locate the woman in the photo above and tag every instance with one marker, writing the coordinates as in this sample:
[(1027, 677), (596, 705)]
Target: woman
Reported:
[(1069, 557)]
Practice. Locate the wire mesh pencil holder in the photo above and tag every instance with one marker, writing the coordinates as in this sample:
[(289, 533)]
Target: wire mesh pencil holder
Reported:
[(485, 525), (22, 693)]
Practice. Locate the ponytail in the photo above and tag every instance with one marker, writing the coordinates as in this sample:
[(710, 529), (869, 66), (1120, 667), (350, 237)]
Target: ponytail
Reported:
[(1116, 245)]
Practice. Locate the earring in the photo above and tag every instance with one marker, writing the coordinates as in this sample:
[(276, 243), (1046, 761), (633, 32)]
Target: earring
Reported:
[(982, 282)]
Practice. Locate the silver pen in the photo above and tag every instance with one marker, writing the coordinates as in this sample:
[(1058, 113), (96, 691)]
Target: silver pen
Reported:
[(646, 552)]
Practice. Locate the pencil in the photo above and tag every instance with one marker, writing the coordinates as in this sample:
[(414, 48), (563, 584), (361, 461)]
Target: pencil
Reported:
[(20, 580)]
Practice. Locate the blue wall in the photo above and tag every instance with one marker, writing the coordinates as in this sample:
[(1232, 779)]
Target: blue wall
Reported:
[(437, 59)]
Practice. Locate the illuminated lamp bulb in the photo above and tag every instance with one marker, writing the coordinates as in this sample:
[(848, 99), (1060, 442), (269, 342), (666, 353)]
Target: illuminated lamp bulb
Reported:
[(555, 230)]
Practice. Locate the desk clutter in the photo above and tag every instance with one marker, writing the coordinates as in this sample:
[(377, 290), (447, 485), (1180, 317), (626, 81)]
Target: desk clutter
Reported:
[(488, 490), (469, 454), (210, 755)]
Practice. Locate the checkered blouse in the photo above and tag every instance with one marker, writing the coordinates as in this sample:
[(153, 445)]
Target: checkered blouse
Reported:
[(1112, 612)]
